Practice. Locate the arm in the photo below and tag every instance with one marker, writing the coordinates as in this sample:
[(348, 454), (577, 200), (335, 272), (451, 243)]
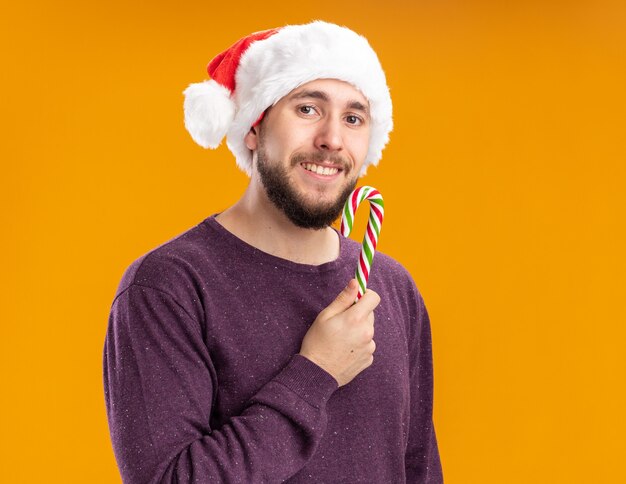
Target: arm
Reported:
[(159, 383), (422, 460)]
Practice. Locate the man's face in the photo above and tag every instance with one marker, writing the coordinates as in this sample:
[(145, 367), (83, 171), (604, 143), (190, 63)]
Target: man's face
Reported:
[(310, 148)]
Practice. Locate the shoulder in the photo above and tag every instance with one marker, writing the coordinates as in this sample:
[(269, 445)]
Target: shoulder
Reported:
[(170, 267), (387, 273), (393, 274)]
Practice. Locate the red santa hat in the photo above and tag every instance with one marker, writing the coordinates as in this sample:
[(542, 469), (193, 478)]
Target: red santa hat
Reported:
[(258, 70)]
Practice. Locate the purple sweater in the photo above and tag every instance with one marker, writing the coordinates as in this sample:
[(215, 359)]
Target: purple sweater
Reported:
[(203, 381)]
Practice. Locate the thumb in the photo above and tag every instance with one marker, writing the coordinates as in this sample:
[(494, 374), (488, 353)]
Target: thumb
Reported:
[(344, 299)]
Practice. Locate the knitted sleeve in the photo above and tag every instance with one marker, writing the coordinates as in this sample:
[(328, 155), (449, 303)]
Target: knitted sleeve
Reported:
[(422, 462), (159, 383)]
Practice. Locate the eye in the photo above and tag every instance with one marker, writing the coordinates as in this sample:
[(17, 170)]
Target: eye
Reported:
[(306, 109), (354, 120)]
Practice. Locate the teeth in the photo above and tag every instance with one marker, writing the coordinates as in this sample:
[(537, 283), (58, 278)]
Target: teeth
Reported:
[(320, 170)]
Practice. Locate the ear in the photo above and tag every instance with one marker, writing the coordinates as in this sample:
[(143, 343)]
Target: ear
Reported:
[(252, 139)]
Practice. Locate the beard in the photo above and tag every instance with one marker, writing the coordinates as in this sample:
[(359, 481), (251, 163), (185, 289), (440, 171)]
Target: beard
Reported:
[(277, 182)]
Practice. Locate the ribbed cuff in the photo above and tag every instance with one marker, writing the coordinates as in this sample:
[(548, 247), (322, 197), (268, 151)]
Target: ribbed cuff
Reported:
[(310, 381)]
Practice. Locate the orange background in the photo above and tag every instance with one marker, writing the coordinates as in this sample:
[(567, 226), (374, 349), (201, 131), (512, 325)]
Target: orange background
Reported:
[(504, 185)]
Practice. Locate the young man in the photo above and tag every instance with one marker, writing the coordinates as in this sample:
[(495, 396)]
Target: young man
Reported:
[(235, 352)]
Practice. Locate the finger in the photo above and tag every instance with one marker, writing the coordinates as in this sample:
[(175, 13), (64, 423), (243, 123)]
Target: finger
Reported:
[(366, 304), (344, 299)]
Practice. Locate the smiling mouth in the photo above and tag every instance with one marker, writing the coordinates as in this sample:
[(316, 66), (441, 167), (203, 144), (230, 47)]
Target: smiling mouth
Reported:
[(321, 170)]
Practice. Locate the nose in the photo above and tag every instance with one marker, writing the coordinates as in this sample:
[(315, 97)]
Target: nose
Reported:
[(329, 135)]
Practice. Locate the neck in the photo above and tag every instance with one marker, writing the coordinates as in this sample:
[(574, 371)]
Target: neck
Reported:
[(258, 222)]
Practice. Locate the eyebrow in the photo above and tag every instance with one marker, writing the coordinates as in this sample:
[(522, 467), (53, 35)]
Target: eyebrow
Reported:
[(359, 106)]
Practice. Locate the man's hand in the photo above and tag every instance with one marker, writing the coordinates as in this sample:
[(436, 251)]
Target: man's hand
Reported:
[(340, 339)]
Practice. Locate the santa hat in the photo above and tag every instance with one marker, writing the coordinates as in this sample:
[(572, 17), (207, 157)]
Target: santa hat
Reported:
[(258, 70)]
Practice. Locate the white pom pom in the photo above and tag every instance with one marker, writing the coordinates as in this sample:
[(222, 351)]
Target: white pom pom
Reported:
[(209, 111)]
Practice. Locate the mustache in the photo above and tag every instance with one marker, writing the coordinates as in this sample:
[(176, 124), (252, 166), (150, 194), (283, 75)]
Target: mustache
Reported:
[(319, 157)]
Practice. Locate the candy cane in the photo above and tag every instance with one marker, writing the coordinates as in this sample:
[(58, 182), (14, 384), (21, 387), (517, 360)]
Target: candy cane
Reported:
[(377, 210)]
